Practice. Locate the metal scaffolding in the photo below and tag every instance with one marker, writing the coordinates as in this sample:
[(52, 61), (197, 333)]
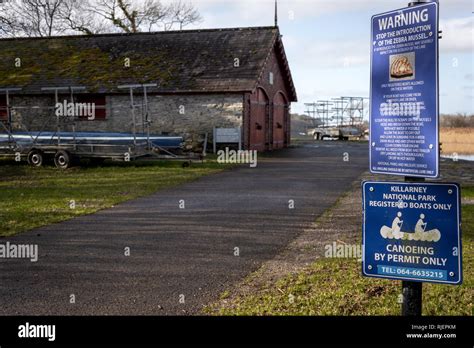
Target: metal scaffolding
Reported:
[(338, 112), (145, 113), (349, 111), (320, 112), (312, 113), (62, 121), (7, 124), (323, 110)]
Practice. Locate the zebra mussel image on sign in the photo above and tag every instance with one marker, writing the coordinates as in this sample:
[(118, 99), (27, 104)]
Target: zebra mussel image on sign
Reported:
[(402, 66)]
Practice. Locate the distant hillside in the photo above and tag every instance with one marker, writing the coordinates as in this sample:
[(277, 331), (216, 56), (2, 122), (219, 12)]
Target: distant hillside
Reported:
[(301, 123), (457, 121)]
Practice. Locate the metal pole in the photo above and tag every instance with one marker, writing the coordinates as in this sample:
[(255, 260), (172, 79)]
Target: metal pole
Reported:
[(132, 106), (420, 2), (58, 126), (412, 298), (73, 122), (9, 125), (204, 147), (214, 145), (9, 117), (142, 130), (412, 291), (240, 138), (9, 120), (147, 117)]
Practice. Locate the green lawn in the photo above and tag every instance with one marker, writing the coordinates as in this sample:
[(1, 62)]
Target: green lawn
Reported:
[(336, 287), (468, 191), (33, 197)]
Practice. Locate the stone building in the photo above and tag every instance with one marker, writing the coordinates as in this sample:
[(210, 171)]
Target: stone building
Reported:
[(205, 78)]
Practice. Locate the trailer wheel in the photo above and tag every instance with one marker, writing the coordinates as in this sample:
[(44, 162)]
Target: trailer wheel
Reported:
[(62, 159), (35, 158)]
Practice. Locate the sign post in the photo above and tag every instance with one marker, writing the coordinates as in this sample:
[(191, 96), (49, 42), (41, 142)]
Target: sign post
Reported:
[(412, 298), (411, 230), (412, 292)]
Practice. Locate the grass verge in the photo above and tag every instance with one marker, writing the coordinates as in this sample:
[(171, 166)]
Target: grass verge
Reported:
[(34, 197), (336, 287)]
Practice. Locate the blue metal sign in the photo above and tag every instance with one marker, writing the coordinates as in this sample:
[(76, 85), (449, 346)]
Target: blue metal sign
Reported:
[(411, 231), (404, 135)]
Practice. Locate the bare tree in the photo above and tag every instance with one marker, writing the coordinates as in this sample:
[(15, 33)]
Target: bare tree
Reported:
[(182, 14), (128, 17), (148, 15), (76, 17), (31, 17), (54, 17)]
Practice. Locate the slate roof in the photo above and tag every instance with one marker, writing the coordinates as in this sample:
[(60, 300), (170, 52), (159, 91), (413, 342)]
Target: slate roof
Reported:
[(179, 61)]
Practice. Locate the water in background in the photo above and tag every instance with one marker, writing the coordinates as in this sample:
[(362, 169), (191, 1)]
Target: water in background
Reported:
[(460, 157)]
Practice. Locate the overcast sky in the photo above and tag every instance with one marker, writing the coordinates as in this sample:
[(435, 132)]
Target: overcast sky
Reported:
[(328, 44)]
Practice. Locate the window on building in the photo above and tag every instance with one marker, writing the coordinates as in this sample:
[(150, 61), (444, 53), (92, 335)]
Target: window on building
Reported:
[(271, 78), (95, 102), (3, 108)]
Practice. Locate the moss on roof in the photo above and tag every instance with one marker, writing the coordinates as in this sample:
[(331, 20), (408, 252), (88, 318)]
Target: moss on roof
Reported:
[(177, 61)]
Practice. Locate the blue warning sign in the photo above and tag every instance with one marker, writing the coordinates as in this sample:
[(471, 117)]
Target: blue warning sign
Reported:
[(404, 126)]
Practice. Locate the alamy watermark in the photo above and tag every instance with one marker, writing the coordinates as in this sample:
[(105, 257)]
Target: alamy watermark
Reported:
[(343, 250), (401, 109), (19, 251), (238, 157), (37, 331), (66, 109)]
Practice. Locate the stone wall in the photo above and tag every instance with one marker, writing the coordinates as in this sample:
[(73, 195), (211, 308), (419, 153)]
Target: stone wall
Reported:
[(186, 115), (33, 113)]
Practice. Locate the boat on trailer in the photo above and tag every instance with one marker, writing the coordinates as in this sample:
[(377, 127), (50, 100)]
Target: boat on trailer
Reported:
[(85, 138), (68, 147)]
